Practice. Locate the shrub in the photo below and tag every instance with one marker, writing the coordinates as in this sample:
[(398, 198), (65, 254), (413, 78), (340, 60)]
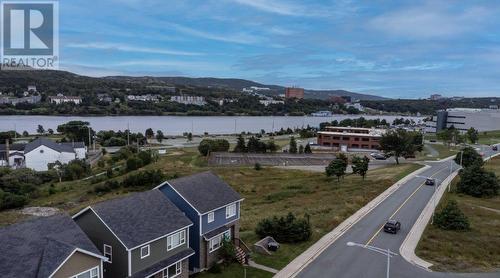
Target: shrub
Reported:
[(469, 157), (75, 170), (11, 201), (208, 145), (145, 156), (287, 229), (227, 252), (133, 163), (144, 179), (257, 166), (476, 181), (451, 218), (102, 188), (215, 269)]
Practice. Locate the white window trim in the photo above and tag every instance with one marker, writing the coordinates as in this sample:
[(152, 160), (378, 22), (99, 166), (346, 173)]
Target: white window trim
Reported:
[(147, 255), (88, 270), (182, 240), (210, 217), (178, 270), (230, 213), (110, 258), (220, 238)]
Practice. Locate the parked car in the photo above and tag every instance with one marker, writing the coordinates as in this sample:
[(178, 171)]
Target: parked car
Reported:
[(392, 226), (495, 148), (378, 156), (430, 181)]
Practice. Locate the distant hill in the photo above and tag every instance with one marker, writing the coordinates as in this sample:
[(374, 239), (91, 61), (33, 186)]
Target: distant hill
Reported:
[(64, 80)]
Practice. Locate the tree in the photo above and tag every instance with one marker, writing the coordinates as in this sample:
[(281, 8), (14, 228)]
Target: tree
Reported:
[(301, 149), (477, 182), (76, 131), (40, 129), (159, 135), (468, 157), (448, 135), (50, 131), (149, 133), (307, 149), (451, 218), (254, 145), (190, 137), (473, 135), (25, 133), (360, 165), (293, 145), (286, 229), (398, 143), (240, 145), (208, 145), (271, 146), (337, 167)]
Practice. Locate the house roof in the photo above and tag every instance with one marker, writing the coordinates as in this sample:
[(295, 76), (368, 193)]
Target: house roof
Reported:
[(205, 191), (59, 147), (141, 217), (36, 248), (12, 147), (148, 272)]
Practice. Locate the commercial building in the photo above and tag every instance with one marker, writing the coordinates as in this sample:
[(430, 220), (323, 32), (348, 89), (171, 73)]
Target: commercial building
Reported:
[(464, 118), (60, 98), (193, 100), (350, 138), (293, 92)]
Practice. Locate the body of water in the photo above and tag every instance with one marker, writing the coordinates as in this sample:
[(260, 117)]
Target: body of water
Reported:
[(177, 125)]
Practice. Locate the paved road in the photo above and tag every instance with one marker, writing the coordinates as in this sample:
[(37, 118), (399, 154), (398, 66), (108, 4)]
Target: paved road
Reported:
[(406, 204)]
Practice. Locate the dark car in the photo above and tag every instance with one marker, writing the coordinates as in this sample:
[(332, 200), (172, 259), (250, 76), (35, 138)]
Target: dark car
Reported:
[(378, 156), (494, 148), (430, 182), (392, 226)]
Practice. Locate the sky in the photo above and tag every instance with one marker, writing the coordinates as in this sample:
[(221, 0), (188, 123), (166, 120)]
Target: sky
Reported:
[(397, 49)]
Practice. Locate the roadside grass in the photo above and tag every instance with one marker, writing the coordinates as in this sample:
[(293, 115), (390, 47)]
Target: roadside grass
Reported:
[(443, 150), (477, 250), (489, 137), (267, 192), (236, 271)]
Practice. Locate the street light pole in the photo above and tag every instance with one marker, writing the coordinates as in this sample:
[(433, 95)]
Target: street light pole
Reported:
[(388, 262)]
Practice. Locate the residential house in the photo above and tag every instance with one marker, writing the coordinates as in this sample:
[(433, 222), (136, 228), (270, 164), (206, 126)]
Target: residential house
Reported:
[(142, 235), (32, 99), (214, 208), (194, 100), (60, 98), (39, 153), (53, 247)]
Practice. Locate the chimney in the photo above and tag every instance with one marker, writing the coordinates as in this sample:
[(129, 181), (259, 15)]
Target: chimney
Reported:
[(7, 151)]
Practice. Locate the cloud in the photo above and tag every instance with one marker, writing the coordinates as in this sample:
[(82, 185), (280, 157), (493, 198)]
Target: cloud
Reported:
[(131, 48), (281, 8), (241, 38), (429, 22)]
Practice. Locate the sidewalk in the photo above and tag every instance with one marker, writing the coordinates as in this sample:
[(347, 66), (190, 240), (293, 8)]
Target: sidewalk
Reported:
[(299, 263)]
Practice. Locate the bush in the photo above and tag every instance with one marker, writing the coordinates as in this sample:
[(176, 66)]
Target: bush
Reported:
[(145, 156), (228, 252), (75, 170), (476, 181), (144, 179), (287, 229), (469, 157), (451, 218), (257, 166), (11, 201), (215, 269), (133, 163), (208, 145)]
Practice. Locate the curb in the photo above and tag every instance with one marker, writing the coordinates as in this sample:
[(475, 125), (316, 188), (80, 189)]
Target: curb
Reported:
[(407, 249), (300, 262)]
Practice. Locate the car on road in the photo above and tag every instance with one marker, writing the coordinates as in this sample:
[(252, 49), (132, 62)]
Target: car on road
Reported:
[(430, 181), (378, 156), (392, 226), (494, 148)]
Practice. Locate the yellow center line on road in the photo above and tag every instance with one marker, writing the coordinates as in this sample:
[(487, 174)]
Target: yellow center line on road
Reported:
[(407, 199)]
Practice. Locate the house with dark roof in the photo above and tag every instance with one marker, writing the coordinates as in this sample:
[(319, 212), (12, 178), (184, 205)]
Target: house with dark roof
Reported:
[(53, 247), (40, 152), (214, 207), (142, 235)]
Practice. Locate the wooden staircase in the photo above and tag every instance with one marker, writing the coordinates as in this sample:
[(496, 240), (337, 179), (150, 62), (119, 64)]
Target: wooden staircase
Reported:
[(242, 251)]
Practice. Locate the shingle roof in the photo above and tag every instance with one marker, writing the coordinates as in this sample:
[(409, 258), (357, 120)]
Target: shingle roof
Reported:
[(205, 191), (35, 248), (141, 217), (60, 147)]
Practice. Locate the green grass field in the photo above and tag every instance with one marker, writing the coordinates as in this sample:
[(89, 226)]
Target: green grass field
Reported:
[(472, 251)]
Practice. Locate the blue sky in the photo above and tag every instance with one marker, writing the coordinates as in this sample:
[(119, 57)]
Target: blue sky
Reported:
[(389, 48)]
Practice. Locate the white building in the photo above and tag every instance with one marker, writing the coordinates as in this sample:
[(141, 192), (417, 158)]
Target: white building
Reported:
[(41, 152), (60, 98), (194, 100), (356, 105), (148, 97), (465, 118), (267, 102)]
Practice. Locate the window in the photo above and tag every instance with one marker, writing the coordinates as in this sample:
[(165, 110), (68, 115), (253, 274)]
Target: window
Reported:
[(176, 240), (231, 210), (144, 251), (108, 252), (173, 270), (210, 217), (216, 242), (91, 273)]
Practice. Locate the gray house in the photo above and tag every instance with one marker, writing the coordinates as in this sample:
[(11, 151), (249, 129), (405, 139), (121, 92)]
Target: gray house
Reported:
[(214, 207), (142, 235), (51, 246)]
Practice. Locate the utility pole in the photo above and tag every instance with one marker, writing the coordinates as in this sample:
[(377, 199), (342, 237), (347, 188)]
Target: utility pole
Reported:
[(88, 128)]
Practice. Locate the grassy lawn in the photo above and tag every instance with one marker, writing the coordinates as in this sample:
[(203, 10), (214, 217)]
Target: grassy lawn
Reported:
[(489, 137), (443, 150), (236, 271), (267, 192), (471, 251)]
